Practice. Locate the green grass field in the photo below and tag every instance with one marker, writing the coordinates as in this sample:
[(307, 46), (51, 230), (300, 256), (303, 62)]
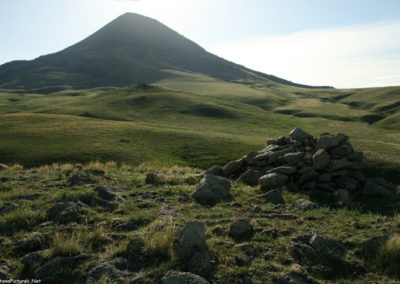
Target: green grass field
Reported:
[(189, 119)]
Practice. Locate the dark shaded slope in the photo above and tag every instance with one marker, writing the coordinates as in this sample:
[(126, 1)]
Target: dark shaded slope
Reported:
[(130, 49)]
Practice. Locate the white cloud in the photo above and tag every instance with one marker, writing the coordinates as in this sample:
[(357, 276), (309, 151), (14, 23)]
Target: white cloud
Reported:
[(353, 56)]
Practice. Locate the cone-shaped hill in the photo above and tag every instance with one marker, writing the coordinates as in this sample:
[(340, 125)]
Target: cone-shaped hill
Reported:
[(130, 49)]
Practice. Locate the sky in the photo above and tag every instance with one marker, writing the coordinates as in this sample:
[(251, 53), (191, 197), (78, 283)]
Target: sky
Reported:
[(340, 43)]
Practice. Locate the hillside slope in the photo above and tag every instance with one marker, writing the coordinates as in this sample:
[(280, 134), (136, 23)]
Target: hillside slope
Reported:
[(130, 49)]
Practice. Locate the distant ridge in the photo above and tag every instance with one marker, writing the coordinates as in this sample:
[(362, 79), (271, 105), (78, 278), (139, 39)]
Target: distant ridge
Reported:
[(130, 49)]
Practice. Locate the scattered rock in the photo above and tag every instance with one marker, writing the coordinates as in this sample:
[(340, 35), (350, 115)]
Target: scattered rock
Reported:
[(157, 178), (32, 243), (51, 269), (32, 259), (79, 179), (88, 200), (106, 192), (212, 189), (114, 270), (7, 207), (63, 212), (177, 277), (241, 229), (316, 248), (190, 240), (203, 263), (304, 204)]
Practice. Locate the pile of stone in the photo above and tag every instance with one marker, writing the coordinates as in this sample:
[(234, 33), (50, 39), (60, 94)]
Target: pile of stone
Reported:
[(327, 163)]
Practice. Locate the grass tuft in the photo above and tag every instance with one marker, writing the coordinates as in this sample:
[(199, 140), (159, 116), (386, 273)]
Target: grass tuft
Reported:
[(388, 256)]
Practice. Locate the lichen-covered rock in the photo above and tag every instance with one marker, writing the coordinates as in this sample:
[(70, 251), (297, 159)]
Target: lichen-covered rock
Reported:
[(212, 189), (272, 181), (190, 240)]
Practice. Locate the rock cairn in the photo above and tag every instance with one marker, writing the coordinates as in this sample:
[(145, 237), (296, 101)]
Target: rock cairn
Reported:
[(327, 163)]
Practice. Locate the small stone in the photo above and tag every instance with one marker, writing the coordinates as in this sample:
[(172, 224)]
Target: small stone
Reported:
[(293, 158), (241, 229)]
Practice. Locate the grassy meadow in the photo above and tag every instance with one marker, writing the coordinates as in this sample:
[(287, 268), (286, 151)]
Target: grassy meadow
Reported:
[(190, 119)]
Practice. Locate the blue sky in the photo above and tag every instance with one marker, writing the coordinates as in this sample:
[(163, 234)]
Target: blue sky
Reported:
[(349, 43)]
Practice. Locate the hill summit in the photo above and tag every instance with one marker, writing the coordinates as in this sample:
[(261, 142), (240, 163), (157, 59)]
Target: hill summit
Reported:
[(130, 49)]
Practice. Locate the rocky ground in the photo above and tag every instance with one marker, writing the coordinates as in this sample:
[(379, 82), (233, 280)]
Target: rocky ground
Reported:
[(298, 211)]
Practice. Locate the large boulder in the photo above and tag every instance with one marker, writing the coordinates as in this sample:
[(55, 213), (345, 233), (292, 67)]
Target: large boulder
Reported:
[(232, 168), (212, 189), (177, 277), (272, 181), (300, 135), (190, 240)]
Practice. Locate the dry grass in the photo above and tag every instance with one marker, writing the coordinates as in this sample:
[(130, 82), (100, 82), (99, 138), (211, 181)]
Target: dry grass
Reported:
[(388, 257)]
